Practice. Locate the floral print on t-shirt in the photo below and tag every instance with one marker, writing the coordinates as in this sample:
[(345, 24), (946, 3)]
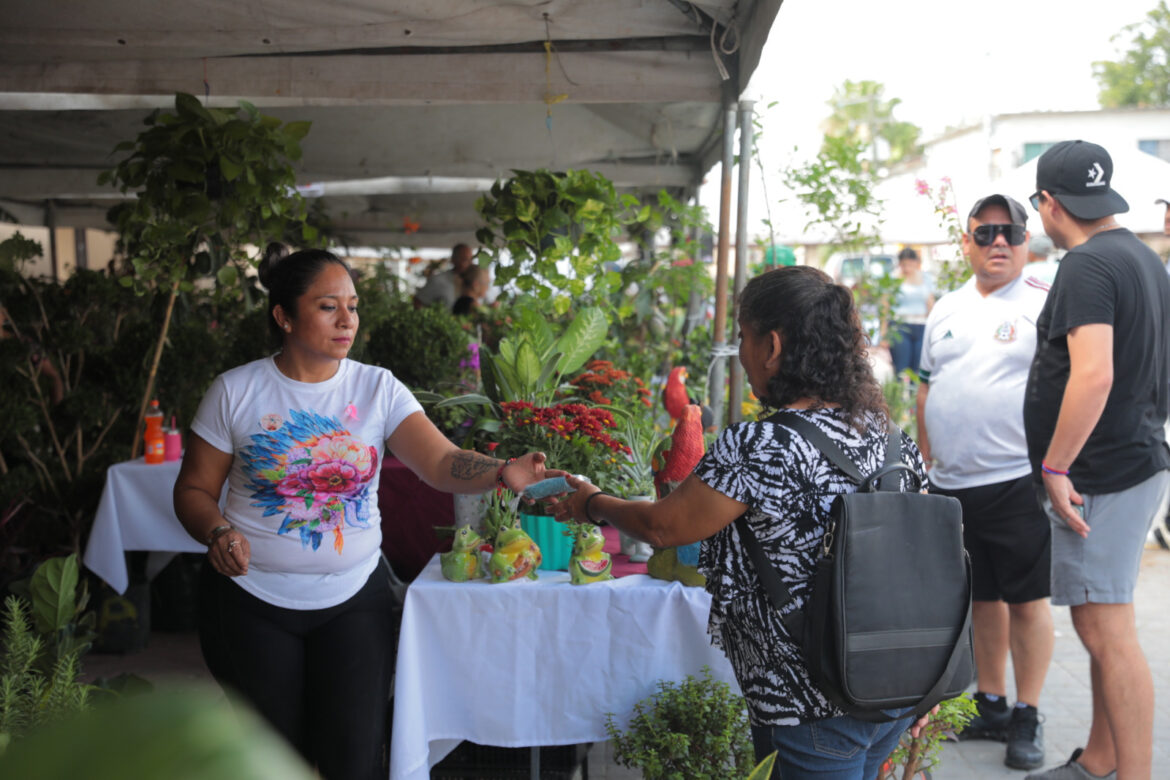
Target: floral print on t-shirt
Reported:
[(313, 473)]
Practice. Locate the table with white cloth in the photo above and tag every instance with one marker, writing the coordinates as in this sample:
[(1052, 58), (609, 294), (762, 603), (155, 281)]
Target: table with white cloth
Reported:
[(136, 512), (537, 663)]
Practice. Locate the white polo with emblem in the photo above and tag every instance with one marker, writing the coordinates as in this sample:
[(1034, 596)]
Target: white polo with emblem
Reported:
[(976, 353)]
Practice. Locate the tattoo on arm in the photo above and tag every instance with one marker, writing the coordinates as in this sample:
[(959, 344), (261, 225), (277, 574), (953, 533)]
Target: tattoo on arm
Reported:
[(471, 465)]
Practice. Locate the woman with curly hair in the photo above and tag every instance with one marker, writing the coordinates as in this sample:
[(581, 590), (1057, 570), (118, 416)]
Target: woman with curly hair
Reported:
[(804, 353)]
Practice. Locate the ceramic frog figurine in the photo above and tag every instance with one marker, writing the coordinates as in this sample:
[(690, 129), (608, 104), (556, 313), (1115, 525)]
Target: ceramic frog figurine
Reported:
[(515, 555), (589, 563), (463, 563), (677, 563)]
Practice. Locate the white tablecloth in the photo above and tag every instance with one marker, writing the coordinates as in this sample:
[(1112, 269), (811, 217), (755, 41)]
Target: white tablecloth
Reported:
[(536, 663), (136, 513)]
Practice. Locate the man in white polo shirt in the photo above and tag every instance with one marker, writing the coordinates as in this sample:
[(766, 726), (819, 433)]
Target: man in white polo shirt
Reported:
[(977, 350)]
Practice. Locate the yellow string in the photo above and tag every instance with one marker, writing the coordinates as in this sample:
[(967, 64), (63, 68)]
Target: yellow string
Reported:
[(549, 98)]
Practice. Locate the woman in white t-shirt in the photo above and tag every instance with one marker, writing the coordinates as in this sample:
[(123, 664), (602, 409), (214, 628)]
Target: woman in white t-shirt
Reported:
[(295, 606)]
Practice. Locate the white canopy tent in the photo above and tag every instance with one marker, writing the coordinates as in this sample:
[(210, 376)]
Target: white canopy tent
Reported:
[(416, 105)]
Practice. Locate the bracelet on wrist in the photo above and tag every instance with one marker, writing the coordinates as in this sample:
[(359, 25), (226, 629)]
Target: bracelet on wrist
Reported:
[(1049, 470), (217, 532), (500, 483), (585, 507)]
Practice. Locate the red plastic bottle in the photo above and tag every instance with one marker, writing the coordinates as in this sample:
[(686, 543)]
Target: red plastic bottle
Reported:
[(154, 437)]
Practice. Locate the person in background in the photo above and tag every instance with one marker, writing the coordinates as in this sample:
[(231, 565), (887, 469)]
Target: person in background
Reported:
[(444, 286), (915, 298), (1094, 410), (980, 340), (1041, 264), (803, 350), (295, 601), (475, 283)]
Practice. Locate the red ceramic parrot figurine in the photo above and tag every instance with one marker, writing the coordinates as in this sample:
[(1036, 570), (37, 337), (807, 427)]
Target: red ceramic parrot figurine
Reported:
[(674, 395), (686, 448)]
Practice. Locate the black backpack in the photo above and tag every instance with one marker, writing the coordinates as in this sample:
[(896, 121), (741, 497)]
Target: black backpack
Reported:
[(888, 622)]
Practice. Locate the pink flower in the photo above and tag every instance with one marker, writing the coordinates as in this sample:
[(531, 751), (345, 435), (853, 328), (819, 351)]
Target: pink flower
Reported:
[(922, 187)]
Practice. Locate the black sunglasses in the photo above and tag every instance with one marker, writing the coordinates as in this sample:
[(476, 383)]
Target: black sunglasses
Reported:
[(984, 235), (1034, 199)]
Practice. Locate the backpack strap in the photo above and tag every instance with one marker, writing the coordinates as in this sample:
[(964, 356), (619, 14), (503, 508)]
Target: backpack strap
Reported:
[(776, 588)]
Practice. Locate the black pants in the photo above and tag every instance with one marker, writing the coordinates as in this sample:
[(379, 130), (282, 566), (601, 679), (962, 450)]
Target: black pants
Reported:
[(320, 677)]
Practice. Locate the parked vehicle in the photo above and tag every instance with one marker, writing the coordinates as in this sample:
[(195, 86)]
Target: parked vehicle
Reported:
[(849, 268)]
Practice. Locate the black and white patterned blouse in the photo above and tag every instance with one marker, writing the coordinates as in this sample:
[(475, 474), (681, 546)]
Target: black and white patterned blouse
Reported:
[(788, 486)]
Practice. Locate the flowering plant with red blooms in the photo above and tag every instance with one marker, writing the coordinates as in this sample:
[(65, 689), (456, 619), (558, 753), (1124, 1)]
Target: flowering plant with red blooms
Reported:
[(603, 384), (575, 437)]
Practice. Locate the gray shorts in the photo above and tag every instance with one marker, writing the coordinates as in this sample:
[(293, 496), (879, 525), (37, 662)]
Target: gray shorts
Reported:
[(1103, 569)]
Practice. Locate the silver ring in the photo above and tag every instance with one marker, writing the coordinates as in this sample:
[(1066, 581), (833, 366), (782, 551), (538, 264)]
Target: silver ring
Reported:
[(233, 544)]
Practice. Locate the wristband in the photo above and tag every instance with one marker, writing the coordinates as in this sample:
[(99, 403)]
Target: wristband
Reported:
[(500, 483), (217, 532), (1047, 470), (585, 507)]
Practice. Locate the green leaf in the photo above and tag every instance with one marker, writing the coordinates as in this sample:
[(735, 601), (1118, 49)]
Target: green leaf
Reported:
[(230, 169), (54, 593), (297, 130), (227, 276), (584, 336), (527, 367), (467, 399)]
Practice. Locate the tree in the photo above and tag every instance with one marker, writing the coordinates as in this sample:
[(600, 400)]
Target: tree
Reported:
[(861, 115), (1142, 76), (206, 183), (836, 189)]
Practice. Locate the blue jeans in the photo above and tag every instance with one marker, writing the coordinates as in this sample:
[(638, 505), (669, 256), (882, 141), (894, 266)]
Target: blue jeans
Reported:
[(842, 748), (906, 347)]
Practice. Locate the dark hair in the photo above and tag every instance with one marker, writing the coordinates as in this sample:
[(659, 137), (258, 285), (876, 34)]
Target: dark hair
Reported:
[(823, 348), (286, 277), (908, 254)]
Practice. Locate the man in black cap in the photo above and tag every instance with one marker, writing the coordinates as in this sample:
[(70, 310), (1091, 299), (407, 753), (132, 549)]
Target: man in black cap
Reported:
[(1166, 220), (977, 347), (1094, 410)]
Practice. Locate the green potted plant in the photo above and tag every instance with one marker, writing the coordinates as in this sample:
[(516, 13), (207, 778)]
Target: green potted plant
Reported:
[(918, 754), (207, 183), (548, 232), (694, 729)]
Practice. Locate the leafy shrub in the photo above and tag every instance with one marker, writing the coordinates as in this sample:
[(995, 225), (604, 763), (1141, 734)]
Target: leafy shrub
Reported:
[(422, 347), (696, 730), (28, 696)]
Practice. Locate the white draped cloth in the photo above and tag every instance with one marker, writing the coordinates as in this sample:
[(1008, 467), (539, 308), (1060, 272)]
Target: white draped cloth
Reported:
[(537, 663)]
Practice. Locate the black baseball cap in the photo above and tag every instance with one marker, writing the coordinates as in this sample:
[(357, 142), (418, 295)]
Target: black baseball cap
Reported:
[(1015, 210), (1078, 174)]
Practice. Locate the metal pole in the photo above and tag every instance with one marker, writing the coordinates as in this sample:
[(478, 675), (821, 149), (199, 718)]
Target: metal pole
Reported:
[(735, 383), (719, 328)]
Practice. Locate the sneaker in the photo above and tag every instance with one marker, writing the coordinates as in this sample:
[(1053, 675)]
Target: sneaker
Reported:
[(991, 722), (1025, 739), (1070, 770)]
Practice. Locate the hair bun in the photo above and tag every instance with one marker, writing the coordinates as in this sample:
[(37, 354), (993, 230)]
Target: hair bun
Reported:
[(273, 254)]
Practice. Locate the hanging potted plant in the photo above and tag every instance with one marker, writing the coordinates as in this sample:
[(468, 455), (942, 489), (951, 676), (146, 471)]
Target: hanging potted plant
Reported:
[(548, 232)]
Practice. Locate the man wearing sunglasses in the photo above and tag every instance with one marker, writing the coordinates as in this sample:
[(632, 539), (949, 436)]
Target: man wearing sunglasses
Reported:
[(1094, 411), (977, 348)]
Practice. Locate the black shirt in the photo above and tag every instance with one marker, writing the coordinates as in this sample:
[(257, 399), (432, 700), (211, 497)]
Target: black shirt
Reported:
[(1113, 279)]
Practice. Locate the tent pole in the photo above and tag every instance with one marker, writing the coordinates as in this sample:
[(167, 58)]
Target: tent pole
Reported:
[(735, 383), (719, 328)]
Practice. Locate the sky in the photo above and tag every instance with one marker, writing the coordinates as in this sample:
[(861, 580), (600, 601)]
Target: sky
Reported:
[(950, 64)]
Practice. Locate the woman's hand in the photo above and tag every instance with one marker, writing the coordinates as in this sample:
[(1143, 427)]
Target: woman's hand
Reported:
[(229, 553), (528, 470), (568, 507), (920, 724)]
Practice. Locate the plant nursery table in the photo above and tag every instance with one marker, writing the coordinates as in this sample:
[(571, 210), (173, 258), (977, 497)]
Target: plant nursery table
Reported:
[(136, 513), (536, 663)]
